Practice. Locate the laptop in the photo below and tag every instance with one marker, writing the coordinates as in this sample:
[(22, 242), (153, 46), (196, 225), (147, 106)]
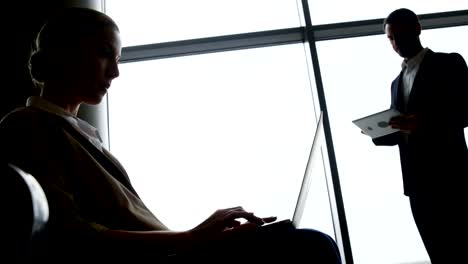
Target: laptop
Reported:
[(306, 180)]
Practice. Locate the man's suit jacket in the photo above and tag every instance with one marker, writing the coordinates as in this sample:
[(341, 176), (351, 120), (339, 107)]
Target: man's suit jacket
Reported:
[(435, 156), (87, 189)]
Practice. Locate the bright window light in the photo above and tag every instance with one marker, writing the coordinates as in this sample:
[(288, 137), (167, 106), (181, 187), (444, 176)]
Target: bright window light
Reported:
[(334, 11), (204, 132), (149, 21)]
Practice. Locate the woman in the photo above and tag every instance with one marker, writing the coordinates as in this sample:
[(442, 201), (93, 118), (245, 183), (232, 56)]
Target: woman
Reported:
[(93, 207)]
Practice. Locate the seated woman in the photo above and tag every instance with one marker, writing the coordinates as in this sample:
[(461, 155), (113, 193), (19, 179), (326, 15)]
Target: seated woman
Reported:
[(94, 210)]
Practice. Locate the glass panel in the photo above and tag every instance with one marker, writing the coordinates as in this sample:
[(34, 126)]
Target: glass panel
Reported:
[(334, 11), (204, 132), (357, 74), (148, 21)]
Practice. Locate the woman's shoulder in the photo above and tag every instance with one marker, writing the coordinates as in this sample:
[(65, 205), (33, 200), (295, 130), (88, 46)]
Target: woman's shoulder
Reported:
[(26, 115), (28, 120)]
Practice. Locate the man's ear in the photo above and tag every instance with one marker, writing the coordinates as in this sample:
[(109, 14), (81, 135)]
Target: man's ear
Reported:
[(418, 29)]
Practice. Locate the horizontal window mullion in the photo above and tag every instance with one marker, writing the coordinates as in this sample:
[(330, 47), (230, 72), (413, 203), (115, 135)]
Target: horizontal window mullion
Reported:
[(212, 44)]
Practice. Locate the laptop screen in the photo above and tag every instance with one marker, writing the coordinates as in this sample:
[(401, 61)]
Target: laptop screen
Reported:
[(314, 157)]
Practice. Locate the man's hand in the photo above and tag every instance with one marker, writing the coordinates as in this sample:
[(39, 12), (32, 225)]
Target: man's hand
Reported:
[(405, 123)]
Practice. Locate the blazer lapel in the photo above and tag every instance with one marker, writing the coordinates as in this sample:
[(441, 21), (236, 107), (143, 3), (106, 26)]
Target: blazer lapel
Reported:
[(420, 81), (107, 162), (397, 94)]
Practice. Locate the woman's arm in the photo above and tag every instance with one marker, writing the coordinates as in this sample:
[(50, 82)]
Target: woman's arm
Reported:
[(220, 225)]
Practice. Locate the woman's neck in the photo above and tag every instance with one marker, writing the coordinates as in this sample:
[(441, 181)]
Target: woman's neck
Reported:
[(62, 101)]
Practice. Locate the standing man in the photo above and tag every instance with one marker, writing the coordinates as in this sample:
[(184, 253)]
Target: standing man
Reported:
[(431, 92)]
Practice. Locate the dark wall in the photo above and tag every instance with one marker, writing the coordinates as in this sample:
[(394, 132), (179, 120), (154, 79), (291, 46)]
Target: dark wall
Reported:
[(20, 22)]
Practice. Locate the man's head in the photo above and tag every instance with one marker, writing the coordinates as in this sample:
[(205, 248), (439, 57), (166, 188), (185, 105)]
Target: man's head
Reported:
[(402, 28)]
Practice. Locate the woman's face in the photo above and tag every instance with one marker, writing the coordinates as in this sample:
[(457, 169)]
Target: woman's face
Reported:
[(93, 65)]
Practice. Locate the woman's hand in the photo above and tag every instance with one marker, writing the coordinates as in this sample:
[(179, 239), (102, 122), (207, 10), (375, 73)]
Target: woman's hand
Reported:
[(226, 222)]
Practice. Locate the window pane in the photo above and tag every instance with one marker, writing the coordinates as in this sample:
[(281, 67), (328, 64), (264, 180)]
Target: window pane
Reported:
[(204, 132), (357, 74), (148, 21), (333, 11)]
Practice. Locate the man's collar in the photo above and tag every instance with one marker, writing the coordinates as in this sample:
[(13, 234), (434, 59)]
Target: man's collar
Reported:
[(415, 60)]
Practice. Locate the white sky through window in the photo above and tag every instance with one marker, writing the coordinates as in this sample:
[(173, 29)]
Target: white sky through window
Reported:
[(204, 132)]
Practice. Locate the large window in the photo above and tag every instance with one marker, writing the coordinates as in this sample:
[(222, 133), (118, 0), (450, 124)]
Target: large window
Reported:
[(205, 132), (202, 132)]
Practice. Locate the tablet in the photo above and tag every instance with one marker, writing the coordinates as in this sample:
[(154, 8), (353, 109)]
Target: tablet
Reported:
[(376, 125)]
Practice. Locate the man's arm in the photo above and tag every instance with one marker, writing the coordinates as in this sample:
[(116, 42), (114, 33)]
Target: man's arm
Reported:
[(460, 89), (387, 140)]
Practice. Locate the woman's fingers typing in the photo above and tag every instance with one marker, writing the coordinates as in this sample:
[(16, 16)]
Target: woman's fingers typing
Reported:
[(229, 219)]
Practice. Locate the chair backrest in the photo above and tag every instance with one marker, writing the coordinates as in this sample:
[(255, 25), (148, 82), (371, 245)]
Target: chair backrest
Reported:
[(25, 210)]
